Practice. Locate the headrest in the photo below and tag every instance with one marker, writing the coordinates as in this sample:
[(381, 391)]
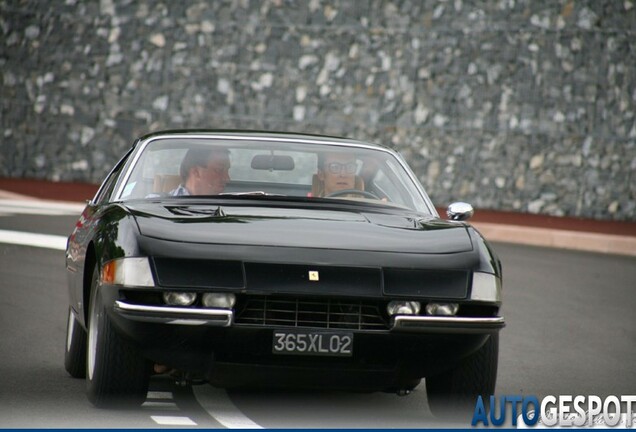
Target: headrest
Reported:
[(165, 183)]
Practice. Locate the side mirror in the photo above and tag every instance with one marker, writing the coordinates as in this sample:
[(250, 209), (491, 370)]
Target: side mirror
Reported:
[(460, 211)]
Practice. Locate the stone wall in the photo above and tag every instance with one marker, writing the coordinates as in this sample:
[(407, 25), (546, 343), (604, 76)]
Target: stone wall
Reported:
[(508, 104)]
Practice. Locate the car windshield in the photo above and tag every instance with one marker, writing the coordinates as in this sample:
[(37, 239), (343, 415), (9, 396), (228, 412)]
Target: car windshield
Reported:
[(212, 166)]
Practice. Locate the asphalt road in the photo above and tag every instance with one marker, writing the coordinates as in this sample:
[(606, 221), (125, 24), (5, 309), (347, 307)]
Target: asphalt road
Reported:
[(571, 329)]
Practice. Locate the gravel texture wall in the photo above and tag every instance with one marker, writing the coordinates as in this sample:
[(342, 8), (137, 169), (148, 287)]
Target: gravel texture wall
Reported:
[(523, 105)]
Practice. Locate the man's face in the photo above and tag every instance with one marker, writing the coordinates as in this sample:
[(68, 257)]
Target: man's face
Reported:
[(212, 178), (338, 172)]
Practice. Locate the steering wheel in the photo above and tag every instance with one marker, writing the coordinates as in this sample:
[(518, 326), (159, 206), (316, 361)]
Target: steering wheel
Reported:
[(352, 191)]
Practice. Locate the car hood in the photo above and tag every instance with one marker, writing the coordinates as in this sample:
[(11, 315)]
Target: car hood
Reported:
[(333, 228)]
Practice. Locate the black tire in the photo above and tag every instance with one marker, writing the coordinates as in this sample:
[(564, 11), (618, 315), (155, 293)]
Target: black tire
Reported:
[(456, 390), (75, 351), (117, 375)]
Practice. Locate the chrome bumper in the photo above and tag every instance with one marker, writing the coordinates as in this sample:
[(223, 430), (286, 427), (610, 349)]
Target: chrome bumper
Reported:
[(225, 318), (438, 324), (175, 315)]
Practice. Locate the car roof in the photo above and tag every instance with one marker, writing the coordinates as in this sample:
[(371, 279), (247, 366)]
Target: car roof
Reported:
[(237, 133)]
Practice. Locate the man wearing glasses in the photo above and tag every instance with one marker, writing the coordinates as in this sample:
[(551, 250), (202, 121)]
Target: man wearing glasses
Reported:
[(336, 172)]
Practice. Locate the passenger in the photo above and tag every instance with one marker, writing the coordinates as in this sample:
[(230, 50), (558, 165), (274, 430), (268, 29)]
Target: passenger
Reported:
[(203, 171), (336, 172)]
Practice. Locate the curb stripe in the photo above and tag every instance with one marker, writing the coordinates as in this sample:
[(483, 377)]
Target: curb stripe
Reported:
[(560, 239)]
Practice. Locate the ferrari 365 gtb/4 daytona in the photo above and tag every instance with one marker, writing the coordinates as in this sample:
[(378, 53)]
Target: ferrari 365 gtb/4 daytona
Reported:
[(274, 259)]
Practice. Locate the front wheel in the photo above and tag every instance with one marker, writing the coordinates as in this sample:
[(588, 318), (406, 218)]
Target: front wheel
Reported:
[(116, 373), (75, 352), (457, 389)]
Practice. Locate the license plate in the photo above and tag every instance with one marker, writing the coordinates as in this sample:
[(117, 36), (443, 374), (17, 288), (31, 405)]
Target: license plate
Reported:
[(298, 342)]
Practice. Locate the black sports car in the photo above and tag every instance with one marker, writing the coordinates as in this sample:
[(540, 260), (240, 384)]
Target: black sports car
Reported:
[(274, 259)]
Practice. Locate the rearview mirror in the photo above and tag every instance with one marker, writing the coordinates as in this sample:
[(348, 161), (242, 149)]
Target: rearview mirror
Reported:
[(272, 162)]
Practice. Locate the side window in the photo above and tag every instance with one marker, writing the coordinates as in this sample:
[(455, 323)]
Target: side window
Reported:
[(108, 186)]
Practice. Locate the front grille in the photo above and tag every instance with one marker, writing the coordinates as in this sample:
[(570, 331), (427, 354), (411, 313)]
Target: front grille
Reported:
[(316, 313)]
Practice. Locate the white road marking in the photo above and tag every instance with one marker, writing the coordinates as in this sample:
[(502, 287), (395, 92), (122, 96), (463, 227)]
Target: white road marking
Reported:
[(217, 403), (160, 400), (37, 207), (40, 207), (173, 421), (166, 406), (32, 239), (159, 395)]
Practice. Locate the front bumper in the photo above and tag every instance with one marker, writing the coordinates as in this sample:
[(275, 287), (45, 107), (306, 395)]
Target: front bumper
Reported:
[(174, 315), (443, 324), (210, 343), (225, 318)]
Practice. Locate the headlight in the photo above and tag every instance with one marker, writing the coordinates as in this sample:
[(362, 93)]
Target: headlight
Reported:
[(486, 287), (402, 307), (219, 300), (442, 309), (179, 298), (128, 271)]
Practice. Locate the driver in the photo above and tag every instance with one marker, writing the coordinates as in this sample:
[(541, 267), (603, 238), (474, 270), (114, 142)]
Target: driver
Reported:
[(204, 171), (336, 172)]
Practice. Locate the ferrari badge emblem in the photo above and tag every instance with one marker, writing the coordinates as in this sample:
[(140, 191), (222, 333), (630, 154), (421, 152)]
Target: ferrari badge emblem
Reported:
[(314, 276)]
